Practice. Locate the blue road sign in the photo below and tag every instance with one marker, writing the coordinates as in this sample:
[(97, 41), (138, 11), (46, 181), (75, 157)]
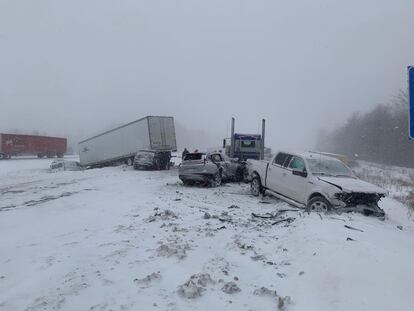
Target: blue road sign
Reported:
[(411, 99)]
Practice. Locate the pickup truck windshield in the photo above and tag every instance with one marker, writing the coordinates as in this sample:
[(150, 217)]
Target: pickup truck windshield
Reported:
[(329, 168)]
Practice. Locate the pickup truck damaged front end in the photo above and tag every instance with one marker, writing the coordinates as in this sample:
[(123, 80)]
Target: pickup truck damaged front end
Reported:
[(365, 203), (353, 195)]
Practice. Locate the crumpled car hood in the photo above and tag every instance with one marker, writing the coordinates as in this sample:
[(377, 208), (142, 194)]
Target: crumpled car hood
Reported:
[(353, 185)]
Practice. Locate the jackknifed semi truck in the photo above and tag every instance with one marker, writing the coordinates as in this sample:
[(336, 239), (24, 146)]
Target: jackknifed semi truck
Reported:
[(40, 146), (121, 144)]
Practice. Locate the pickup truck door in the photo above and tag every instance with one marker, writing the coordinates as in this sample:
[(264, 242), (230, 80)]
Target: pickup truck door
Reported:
[(297, 187), (277, 172)]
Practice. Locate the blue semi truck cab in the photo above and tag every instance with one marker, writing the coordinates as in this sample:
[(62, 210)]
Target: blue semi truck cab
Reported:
[(245, 146)]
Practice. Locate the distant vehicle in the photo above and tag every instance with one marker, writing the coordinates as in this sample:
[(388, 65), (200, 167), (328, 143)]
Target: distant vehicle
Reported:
[(152, 160), (122, 143), (65, 165), (211, 169), (40, 146), (316, 182), (245, 146)]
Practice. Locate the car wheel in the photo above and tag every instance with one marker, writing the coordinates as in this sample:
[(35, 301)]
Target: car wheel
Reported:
[(216, 180), (188, 182), (318, 204), (129, 162), (256, 186)]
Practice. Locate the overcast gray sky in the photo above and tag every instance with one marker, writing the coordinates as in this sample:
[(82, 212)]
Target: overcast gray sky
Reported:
[(72, 67)]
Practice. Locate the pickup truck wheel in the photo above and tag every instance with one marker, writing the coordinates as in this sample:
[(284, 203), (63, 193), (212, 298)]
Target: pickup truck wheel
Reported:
[(318, 204), (256, 186)]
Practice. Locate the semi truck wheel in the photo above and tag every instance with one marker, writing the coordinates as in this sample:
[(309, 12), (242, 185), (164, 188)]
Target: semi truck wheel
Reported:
[(129, 162)]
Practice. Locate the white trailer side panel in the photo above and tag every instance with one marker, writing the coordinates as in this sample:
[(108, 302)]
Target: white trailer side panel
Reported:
[(116, 144), (162, 133)]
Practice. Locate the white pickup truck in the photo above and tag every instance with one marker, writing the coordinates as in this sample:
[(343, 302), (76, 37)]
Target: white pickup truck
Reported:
[(315, 182)]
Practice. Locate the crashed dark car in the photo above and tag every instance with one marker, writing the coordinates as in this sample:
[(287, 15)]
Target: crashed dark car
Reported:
[(152, 160), (210, 169)]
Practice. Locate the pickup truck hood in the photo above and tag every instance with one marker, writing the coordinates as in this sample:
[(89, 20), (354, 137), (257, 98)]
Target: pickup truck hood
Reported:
[(352, 185)]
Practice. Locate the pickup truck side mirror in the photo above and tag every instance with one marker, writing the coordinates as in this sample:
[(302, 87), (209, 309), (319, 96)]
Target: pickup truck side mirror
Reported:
[(302, 173)]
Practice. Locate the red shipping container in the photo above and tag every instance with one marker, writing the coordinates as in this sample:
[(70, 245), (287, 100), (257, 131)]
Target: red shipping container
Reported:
[(42, 146)]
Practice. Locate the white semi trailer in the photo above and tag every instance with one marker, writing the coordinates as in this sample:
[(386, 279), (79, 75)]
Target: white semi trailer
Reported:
[(122, 143)]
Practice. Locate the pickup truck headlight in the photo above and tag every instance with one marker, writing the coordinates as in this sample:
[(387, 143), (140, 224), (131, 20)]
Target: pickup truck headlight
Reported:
[(340, 196)]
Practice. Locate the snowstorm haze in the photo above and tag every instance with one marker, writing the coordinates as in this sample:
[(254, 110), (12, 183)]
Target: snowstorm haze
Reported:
[(76, 67)]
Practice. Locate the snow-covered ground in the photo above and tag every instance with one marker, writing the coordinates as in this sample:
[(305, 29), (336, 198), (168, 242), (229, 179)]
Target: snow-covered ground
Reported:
[(119, 239)]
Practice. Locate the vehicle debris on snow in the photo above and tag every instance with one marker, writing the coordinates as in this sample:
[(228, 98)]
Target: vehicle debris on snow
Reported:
[(353, 228)]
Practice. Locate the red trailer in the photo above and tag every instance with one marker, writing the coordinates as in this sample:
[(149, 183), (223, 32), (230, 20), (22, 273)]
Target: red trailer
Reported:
[(42, 146)]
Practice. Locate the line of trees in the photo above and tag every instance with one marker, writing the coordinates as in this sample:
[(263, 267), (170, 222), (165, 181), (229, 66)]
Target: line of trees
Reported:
[(380, 135)]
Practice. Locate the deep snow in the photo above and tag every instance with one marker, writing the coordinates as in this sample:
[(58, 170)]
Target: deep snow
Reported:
[(119, 239)]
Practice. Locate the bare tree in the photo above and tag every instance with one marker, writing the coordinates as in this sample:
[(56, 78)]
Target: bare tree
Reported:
[(380, 135)]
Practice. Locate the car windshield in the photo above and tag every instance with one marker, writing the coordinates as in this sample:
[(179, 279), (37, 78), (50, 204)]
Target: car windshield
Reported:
[(329, 167)]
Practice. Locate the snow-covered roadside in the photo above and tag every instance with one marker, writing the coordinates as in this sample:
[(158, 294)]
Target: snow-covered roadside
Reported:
[(120, 239)]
